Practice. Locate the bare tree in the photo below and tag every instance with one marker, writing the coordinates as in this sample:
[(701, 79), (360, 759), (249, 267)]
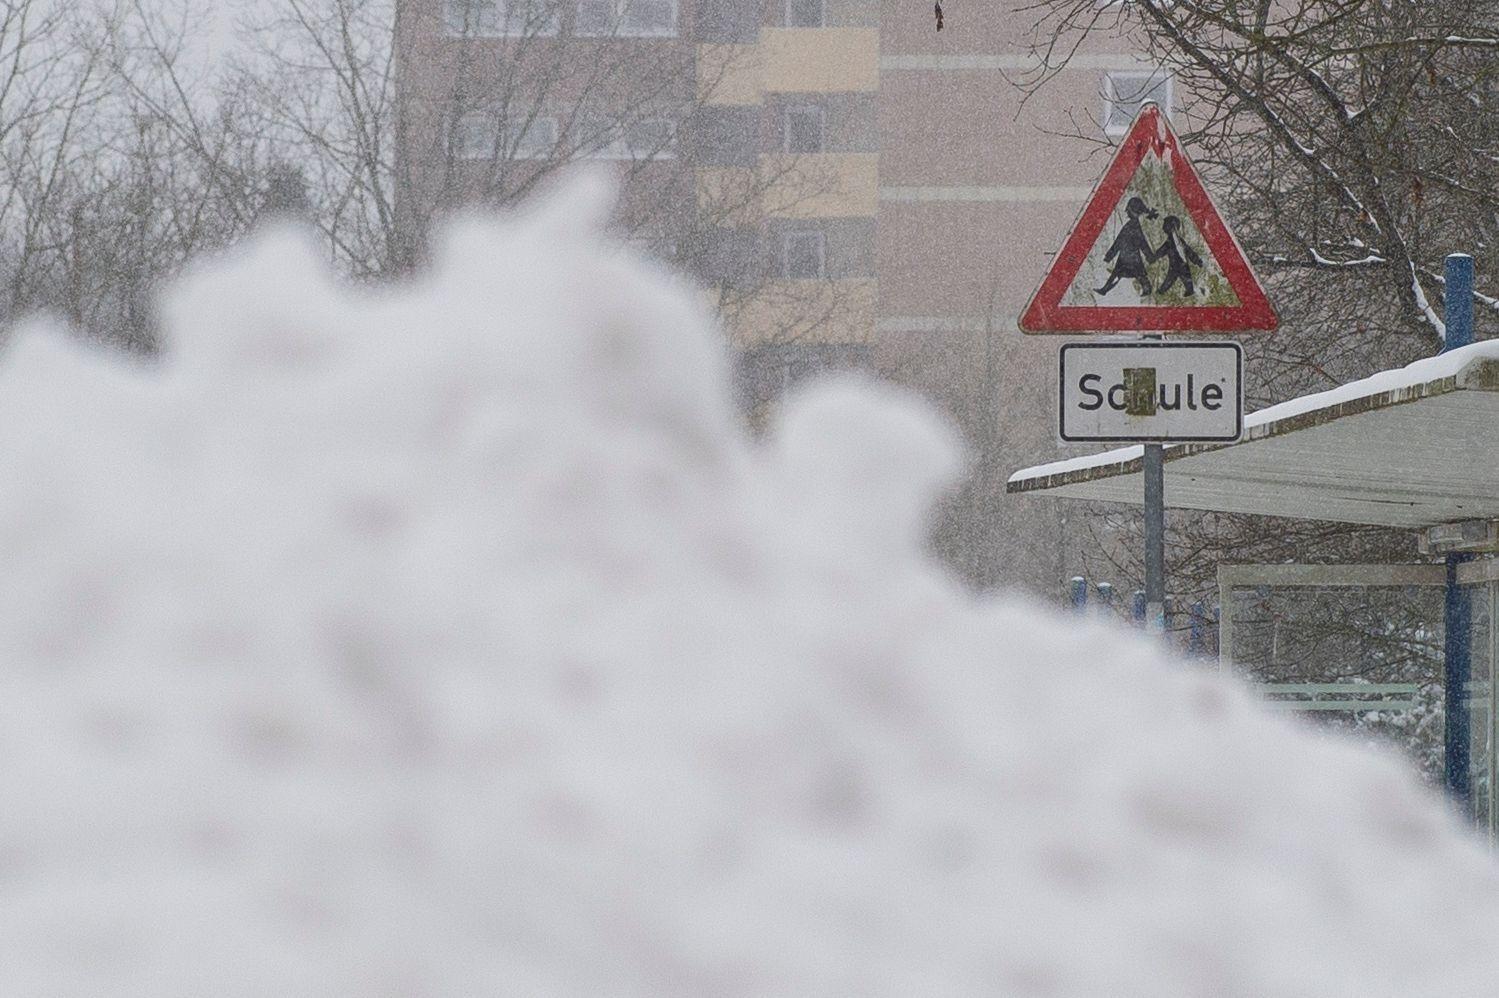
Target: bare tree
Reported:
[(1354, 141), (400, 112), (110, 175), (53, 83), (1353, 146), (369, 119)]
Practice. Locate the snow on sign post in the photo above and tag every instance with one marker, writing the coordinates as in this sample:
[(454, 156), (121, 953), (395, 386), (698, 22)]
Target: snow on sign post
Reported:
[(1151, 391), (1150, 254)]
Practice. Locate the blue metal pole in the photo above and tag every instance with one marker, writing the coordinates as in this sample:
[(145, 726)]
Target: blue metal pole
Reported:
[(1458, 298), (1079, 590), (1137, 607), (1457, 651), (1457, 611)]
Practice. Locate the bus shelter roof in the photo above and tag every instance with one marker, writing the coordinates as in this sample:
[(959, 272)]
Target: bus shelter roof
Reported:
[(1412, 447)]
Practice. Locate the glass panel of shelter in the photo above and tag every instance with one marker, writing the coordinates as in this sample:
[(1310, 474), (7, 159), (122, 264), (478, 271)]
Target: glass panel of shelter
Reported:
[(1380, 677), (1361, 658), (1481, 700)]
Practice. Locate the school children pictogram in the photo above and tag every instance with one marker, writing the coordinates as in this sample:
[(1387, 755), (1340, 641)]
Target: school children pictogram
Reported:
[(1129, 252), (1180, 257), (1149, 252)]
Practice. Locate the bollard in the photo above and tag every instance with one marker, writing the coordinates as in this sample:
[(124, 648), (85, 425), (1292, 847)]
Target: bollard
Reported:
[(1105, 598), (1196, 636)]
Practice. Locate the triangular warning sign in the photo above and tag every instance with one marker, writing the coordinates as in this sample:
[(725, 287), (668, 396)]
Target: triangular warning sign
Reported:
[(1149, 253)]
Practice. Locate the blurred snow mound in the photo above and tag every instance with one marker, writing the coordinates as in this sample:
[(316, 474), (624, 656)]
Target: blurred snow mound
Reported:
[(458, 641)]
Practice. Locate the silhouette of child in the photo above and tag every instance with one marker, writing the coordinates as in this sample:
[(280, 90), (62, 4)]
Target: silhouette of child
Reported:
[(1180, 258), (1130, 250)]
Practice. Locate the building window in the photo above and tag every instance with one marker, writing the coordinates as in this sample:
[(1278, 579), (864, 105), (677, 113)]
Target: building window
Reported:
[(803, 128), (537, 139), (653, 138), (477, 136), (471, 18), (723, 21), (804, 256), (804, 13), (628, 18), (492, 18), (595, 17), (1124, 92), (649, 138)]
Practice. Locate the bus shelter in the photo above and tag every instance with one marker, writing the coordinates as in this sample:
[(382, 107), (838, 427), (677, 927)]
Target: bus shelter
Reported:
[(1416, 448)]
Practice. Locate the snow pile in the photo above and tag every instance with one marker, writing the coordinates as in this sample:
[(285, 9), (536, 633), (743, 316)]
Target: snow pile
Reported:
[(459, 642)]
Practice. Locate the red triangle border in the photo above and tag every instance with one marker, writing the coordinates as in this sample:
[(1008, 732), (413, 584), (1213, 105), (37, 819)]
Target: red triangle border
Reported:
[(1045, 313)]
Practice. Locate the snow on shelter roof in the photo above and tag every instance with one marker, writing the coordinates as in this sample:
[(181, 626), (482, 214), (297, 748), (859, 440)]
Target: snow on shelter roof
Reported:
[(1411, 447)]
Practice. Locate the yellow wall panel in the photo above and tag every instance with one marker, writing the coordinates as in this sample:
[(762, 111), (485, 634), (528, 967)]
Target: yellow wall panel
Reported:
[(806, 312), (821, 60), (730, 74), (830, 185)]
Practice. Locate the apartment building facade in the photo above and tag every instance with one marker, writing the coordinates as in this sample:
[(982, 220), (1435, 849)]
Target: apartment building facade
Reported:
[(851, 187)]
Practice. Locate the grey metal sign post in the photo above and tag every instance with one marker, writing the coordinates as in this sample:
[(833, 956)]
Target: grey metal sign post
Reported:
[(1155, 539), (1151, 392)]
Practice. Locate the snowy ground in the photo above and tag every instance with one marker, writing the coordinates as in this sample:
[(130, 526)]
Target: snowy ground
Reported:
[(460, 642)]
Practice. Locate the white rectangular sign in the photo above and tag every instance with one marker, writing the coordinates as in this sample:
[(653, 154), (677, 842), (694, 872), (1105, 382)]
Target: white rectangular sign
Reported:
[(1151, 392)]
